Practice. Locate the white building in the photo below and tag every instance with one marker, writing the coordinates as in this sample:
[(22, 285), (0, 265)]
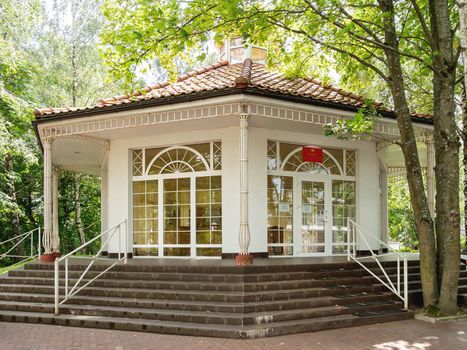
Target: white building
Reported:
[(170, 162)]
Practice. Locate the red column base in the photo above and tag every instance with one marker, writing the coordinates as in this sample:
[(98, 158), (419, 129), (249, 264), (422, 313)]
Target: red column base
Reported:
[(242, 260), (49, 258)]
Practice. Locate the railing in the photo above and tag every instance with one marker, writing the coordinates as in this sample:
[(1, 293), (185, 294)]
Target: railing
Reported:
[(353, 229), (20, 239), (76, 288)]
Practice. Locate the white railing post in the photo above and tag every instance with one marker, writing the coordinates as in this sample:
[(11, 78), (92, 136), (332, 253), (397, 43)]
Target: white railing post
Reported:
[(406, 284), (32, 243), (348, 239), (354, 239), (39, 243), (56, 287), (119, 242), (66, 278), (126, 242), (398, 274)]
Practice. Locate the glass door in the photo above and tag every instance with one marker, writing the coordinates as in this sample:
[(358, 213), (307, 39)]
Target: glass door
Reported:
[(313, 217), (177, 217)]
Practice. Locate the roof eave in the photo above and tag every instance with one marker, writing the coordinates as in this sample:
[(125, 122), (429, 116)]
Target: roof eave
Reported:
[(195, 96)]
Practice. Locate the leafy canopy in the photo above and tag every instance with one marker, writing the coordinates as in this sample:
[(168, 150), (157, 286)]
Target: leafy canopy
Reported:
[(321, 38)]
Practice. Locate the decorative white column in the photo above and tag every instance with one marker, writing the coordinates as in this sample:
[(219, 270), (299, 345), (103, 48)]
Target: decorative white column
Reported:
[(244, 236), (47, 237), (430, 175), (104, 213), (55, 229)]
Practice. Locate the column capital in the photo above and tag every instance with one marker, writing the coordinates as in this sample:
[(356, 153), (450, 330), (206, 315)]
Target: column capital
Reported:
[(244, 116), (47, 141)]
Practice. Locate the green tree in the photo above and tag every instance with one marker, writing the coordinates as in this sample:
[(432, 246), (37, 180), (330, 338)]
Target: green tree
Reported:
[(72, 73), (401, 220), (18, 150)]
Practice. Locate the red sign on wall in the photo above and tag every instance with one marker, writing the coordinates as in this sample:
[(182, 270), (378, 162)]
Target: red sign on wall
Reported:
[(312, 154)]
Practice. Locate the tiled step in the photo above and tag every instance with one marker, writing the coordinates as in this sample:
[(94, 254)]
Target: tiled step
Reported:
[(213, 330), (132, 276), (221, 268), (106, 282), (331, 322), (231, 307), (254, 282), (199, 295), (204, 316)]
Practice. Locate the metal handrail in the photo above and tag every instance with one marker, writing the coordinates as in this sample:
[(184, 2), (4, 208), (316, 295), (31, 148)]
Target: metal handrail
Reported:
[(122, 256), (352, 230), (21, 238)]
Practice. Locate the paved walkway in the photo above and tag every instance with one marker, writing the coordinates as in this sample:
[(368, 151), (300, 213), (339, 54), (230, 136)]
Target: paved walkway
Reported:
[(403, 335)]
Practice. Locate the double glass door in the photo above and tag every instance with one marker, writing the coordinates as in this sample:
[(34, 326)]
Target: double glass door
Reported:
[(177, 216), (312, 215)]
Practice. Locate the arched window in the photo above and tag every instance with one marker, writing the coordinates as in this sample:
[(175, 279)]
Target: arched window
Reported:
[(293, 162), (177, 159)]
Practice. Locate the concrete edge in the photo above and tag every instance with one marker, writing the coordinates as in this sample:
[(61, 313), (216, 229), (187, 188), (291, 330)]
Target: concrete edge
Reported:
[(436, 320)]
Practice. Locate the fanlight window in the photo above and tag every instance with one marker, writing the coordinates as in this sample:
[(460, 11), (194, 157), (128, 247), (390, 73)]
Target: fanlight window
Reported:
[(294, 162), (288, 157), (177, 159)]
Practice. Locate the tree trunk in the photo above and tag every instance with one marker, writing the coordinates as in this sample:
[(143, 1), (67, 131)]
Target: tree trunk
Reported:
[(418, 198), (446, 156), (11, 191), (463, 36), (464, 142), (79, 223)]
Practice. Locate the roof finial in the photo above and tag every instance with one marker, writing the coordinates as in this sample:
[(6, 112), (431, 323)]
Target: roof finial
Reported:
[(243, 80)]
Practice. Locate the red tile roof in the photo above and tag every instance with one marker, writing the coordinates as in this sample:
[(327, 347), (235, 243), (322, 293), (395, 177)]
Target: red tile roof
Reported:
[(223, 76)]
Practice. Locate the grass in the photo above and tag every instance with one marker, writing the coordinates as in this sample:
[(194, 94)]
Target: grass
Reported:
[(432, 311), (5, 269)]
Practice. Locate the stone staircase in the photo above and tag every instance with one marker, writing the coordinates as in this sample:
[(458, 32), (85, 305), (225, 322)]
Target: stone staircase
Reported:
[(212, 300), (415, 288)]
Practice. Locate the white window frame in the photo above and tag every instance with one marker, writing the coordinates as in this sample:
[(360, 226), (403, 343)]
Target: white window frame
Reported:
[(160, 182), (298, 177)]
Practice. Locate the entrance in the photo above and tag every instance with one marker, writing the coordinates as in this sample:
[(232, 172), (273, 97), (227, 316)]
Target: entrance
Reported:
[(309, 203), (312, 212)]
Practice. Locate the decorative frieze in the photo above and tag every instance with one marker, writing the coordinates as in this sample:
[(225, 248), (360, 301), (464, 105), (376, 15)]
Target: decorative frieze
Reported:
[(142, 118)]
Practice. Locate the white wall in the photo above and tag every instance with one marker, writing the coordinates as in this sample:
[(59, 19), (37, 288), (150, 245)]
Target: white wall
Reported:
[(368, 205), (368, 197), (368, 200), (119, 178)]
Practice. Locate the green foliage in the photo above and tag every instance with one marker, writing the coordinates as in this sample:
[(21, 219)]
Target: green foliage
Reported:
[(48, 57), (318, 38), (400, 215), (90, 211), (360, 126)]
